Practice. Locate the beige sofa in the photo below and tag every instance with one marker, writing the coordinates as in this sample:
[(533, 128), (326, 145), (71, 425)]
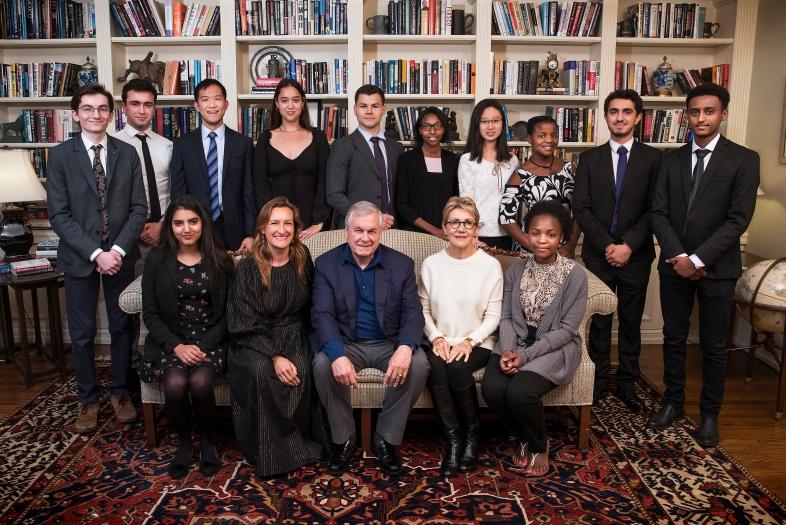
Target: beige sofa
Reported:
[(370, 391)]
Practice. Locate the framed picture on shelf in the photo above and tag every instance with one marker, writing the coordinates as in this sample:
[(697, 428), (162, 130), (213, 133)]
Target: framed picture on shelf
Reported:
[(782, 140)]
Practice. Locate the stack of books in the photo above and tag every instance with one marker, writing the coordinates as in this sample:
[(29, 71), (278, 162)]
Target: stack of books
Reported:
[(290, 17), (670, 20), (30, 267), (663, 126), (426, 76), (575, 124), (169, 122), (48, 125), (47, 249), (546, 18), (35, 19), (38, 79), (142, 18)]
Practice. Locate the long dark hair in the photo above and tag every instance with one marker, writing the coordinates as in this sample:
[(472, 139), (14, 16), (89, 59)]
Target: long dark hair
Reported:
[(298, 253), (275, 114), (475, 141), (431, 110), (214, 259)]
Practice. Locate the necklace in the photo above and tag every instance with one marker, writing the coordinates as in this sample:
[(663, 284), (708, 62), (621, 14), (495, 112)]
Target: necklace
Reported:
[(542, 165), (290, 130)]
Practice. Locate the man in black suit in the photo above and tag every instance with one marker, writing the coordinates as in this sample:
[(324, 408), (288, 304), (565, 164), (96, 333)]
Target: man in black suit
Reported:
[(704, 201), (213, 163), (97, 206), (611, 203), (362, 166)]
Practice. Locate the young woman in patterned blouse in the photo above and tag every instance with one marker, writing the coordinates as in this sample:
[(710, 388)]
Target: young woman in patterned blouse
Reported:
[(541, 177), (184, 295)]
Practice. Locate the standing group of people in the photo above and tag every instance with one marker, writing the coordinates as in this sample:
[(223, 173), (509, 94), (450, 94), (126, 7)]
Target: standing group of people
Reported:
[(292, 333)]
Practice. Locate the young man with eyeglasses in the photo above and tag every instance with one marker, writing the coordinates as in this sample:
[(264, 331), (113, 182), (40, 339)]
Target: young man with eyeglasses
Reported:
[(362, 166), (97, 206)]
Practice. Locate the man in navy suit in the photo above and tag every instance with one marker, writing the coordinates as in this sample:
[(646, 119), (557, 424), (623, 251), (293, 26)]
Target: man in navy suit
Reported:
[(704, 200), (97, 206), (213, 164), (366, 314)]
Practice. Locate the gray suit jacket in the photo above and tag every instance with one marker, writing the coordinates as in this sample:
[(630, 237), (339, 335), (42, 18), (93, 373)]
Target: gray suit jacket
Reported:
[(556, 352), (352, 174), (72, 198)]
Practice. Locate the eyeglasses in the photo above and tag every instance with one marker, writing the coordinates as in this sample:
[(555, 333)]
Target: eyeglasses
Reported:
[(89, 110), (467, 223), (491, 122), (432, 127)]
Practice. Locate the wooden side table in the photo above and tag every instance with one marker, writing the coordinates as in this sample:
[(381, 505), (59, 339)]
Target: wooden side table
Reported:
[(50, 282)]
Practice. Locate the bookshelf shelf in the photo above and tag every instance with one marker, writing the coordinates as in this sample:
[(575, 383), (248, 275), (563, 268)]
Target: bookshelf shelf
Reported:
[(666, 145), (166, 40), (673, 100), (576, 145), (269, 96), (292, 39), (577, 99), (48, 42), (27, 145), (421, 39), (414, 96), (673, 42), (35, 100), (454, 144), (552, 40), (168, 98)]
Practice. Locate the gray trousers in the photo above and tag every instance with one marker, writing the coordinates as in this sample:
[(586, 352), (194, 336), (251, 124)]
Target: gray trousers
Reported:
[(398, 400)]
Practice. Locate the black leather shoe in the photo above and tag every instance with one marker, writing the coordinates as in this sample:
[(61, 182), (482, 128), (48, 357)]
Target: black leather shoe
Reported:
[(467, 405), (340, 457), (598, 395), (664, 417), (631, 400), (386, 456), (708, 435), (443, 401)]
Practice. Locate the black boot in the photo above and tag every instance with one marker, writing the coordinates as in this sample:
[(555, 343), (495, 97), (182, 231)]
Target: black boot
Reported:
[(466, 402), (443, 401)]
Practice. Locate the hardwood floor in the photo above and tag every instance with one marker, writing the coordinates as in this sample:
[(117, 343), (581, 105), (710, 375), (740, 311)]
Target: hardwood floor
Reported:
[(748, 428)]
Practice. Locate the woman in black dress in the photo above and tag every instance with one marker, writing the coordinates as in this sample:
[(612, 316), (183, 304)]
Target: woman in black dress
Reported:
[(290, 159), (184, 295), (426, 176), (277, 422)]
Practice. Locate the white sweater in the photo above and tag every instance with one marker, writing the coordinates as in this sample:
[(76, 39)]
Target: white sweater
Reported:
[(461, 297)]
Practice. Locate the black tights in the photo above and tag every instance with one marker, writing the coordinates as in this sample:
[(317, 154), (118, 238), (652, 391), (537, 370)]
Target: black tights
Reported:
[(516, 400), (177, 385)]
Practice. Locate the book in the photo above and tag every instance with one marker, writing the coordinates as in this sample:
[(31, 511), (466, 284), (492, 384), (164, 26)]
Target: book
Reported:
[(30, 267)]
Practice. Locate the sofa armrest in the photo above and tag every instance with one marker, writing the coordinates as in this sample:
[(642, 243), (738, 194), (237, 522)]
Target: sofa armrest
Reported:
[(130, 300)]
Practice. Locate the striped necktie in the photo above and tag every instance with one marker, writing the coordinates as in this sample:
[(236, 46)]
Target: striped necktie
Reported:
[(212, 176)]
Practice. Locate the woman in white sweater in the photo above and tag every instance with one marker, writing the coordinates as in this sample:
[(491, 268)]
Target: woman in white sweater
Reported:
[(460, 323)]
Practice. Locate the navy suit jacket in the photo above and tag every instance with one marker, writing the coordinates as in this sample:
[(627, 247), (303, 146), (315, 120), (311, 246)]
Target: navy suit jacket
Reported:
[(334, 301), (74, 207), (188, 172)]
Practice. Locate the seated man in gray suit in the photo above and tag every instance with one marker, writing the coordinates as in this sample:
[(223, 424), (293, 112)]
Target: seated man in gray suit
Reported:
[(362, 166), (97, 207), (366, 314)]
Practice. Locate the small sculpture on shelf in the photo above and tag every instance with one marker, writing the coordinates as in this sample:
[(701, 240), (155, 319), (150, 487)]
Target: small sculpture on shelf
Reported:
[(453, 133), (518, 131), (548, 80), (391, 131), (13, 131), (147, 69), (627, 27), (88, 74), (663, 79)]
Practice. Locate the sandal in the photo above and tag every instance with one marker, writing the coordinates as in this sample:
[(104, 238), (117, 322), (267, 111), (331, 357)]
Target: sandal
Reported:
[(521, 457), (538, 463)]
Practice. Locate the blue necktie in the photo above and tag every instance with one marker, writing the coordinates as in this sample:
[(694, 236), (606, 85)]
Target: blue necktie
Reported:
[(622, 165), (212, 176)]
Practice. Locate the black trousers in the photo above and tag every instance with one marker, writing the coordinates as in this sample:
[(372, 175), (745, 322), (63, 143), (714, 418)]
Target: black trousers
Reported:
[(81, 297), (458, 374), (516, 400), (630, 285), (715, 301)]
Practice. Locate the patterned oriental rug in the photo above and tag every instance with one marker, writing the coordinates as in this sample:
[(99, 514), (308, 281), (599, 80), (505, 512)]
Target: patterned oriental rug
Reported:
[(48, 474)]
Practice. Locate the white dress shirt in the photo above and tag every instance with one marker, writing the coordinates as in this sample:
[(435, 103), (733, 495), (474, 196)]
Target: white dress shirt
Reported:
[(615, 156), (160, 153), (220, 141)]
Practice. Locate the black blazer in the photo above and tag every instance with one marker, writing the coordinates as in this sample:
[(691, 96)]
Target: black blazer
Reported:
[(352, 174), (160, 313), (188, 172), (420, 194), (594, 200), (721, 210), (72, 200)]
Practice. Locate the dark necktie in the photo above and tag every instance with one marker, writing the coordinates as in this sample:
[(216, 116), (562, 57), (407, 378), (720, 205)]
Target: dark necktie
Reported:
[(379, 158), (152, 189), (212, 176), (622, 165), (698, 172), (100, 175)]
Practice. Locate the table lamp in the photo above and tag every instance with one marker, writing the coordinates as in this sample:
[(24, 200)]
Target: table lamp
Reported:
[(18, 183)]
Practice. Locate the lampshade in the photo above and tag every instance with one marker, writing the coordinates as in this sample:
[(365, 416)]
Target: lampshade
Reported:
[(18, 181)]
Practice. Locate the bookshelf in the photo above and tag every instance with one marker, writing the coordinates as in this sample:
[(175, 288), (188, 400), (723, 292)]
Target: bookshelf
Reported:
[(111, 51)]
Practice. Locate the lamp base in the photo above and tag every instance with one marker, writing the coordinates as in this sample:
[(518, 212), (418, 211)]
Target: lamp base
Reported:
[(16, 235)]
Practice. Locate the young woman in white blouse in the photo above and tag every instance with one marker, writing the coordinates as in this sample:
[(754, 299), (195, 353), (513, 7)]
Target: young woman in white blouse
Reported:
[(460, 325), (485, 168)]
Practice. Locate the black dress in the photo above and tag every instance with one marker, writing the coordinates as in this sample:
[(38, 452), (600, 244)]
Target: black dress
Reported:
[(301, 180), (278, 427), (423, 194)]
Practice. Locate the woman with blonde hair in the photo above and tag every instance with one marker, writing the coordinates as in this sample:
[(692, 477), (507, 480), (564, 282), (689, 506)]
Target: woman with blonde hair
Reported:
[(277, 422), (459, 328)]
